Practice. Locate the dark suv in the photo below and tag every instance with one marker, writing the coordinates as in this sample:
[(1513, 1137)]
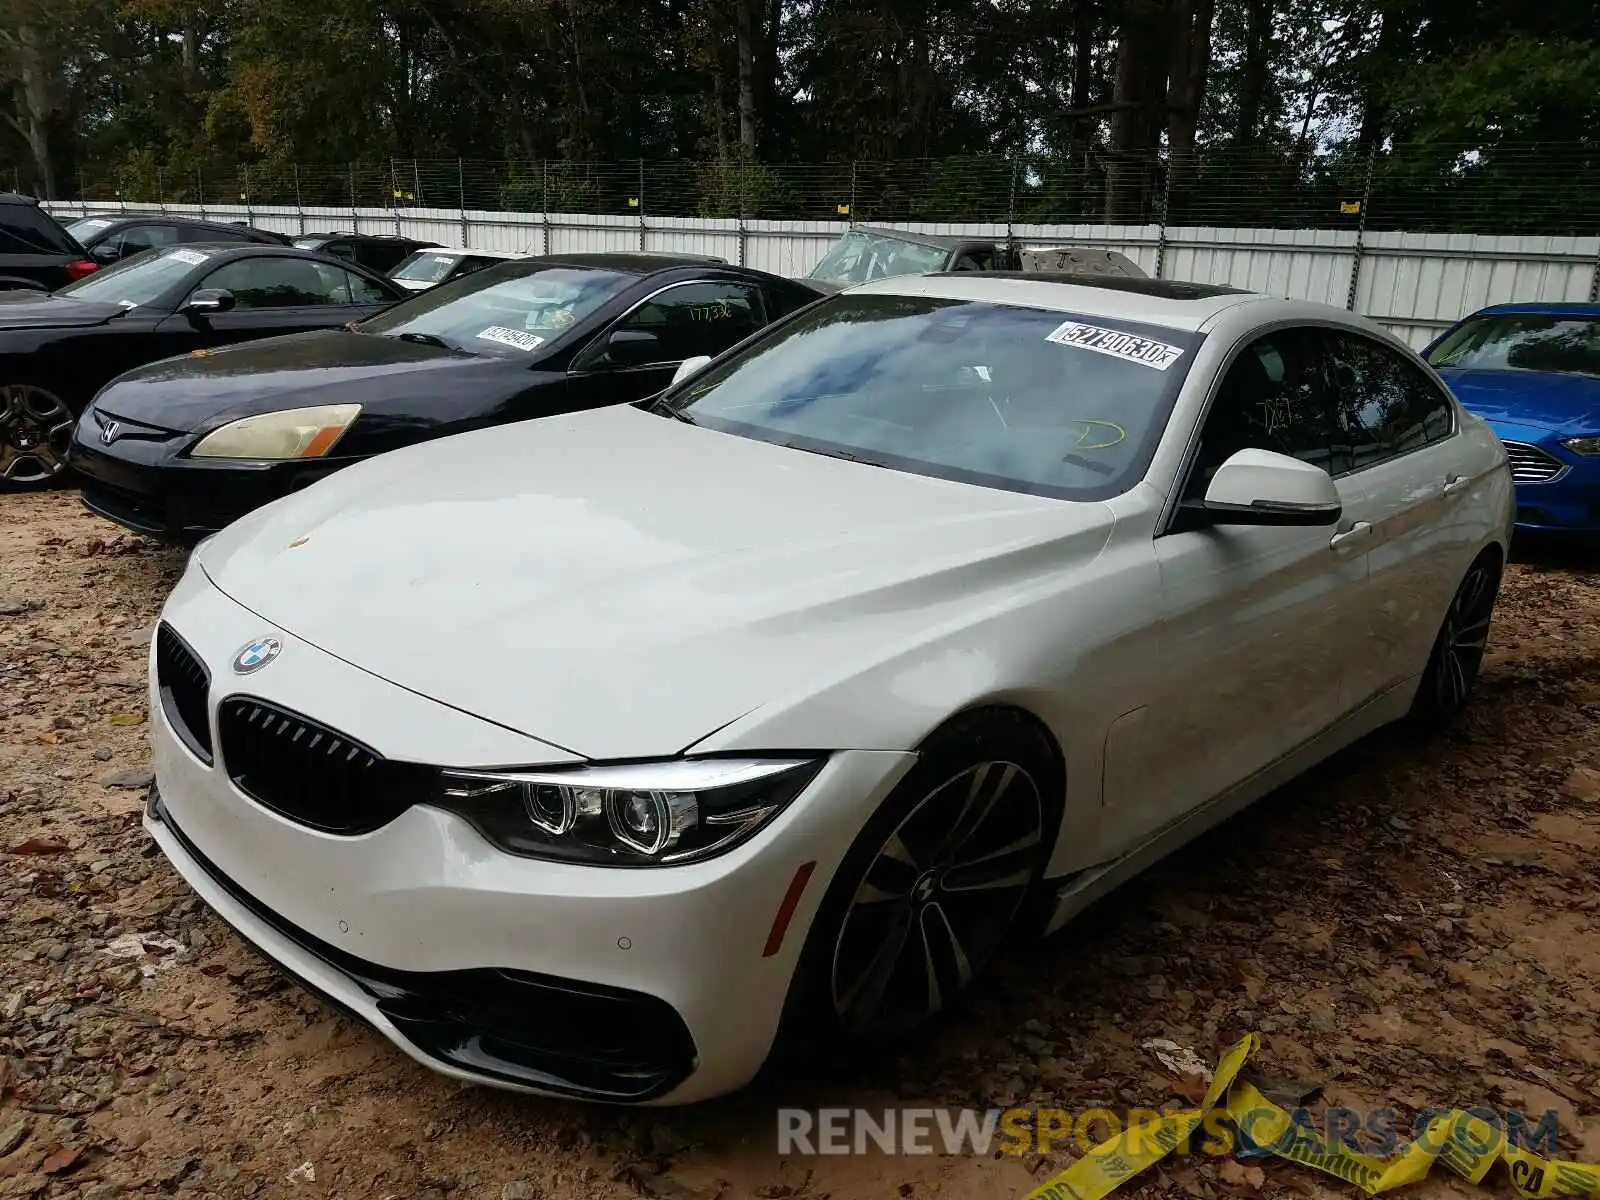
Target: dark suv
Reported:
[(380, 252), (35, 252), (111, 239)]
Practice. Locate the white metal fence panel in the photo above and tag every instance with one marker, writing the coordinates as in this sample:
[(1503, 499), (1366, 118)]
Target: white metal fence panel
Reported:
[(1413, 283)]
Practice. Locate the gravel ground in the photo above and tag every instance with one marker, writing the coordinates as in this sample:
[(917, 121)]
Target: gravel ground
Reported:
[(1415, 926)]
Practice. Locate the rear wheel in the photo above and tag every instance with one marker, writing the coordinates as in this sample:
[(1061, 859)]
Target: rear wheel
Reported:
[(35, 431), (1457, 657), (932, 886)]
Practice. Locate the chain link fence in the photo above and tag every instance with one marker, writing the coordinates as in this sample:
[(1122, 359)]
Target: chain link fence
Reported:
[(1539, 189)]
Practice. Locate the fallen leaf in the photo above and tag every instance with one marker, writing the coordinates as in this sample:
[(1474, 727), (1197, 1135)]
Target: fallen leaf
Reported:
[(1236, 1174), (50, 738), (40, 845), (61, 1160), (126, 718), (1191, 1087)]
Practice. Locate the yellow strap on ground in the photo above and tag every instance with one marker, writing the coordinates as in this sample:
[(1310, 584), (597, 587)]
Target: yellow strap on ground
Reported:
[(1465, 1145)]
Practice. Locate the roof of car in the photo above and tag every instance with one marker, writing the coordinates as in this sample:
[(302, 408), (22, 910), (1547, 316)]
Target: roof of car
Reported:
[(1542, 308), (1161, 302), (330, 235), (475, 253), (637, 263)]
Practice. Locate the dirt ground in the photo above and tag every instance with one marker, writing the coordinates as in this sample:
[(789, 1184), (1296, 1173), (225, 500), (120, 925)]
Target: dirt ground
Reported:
[(1416, 926)]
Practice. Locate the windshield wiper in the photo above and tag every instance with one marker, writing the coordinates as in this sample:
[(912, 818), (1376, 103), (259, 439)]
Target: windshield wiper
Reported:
[(844, 454), (427, 339)]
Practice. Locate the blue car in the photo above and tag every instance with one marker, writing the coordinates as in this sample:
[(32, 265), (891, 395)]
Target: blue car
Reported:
[(1533, 372)]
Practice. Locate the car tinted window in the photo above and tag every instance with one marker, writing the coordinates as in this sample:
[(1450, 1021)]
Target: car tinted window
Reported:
[(696, 318), (360, 290), (272, 282), (507, 312), (1523, 342), (25, 229), (1272, 398), (1382, 405), (137, 281), (135, 239), (1026, 400), (471, 263)]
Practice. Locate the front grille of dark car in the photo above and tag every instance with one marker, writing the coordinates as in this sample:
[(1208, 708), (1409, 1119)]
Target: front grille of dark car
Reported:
[(1529, 464), (184, 685), (312, 774)]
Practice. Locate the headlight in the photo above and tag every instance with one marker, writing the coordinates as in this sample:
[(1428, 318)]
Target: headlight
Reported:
[(293, 433), (1587, 446), (633, 815)]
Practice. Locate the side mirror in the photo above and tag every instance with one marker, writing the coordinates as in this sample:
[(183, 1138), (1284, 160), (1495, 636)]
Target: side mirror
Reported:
[(207, 301), (1262, 487), (688, 367), (629, 347), (105, 254)]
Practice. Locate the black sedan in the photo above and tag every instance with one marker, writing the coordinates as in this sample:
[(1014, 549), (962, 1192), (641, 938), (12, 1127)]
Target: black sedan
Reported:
[(112, 239), (180, 448), (57, 350)]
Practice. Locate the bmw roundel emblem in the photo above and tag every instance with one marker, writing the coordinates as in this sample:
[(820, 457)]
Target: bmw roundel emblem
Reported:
[(256, 654)]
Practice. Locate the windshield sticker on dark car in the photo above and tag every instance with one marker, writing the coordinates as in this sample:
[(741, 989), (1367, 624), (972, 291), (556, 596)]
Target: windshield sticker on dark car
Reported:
[(1127, 346), (193, 257), (511, 337)]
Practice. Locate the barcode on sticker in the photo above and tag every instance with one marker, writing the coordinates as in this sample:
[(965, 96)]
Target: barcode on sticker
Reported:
[(1127, 346), (193, 257), (511, 337)]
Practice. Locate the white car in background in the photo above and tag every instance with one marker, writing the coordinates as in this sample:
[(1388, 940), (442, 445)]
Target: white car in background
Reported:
[(440, 264), (578, 755)]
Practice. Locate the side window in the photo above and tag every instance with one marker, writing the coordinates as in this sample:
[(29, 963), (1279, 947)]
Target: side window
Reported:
[(25, 229), (342, 250), (697, 318), (1383, 406), (362, 291), (203, 233), (138, 238), (469, 264), (281, 282), (1272, 398)]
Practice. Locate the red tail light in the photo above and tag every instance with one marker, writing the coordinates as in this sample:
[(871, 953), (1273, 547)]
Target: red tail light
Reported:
[(77, 270)]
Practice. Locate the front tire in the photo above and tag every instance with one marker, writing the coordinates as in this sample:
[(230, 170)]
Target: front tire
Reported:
[(35, 431), (1452, 670), (932, 886)]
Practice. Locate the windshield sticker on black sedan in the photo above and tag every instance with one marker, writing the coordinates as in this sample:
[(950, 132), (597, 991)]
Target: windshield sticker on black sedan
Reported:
[(511, 337), (193, 257), (1127, 346)]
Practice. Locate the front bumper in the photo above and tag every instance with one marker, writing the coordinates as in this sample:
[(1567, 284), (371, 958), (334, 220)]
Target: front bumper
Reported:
[(478, 964), (143, 482), (1557, 491)]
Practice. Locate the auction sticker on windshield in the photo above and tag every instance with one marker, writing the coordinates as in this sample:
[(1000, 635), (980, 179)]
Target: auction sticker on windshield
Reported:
[(193, 257), (511, 337), (1127, 346)]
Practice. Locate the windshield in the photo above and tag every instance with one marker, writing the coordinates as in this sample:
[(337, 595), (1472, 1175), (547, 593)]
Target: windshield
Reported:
[(1523, 342), (88, 227), (138, 280), (507, 310), (425, 267), (859, 256), (1048, 403), (309, 243)]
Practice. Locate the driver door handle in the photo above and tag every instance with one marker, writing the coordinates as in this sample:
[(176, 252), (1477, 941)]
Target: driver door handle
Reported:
[(1454, 484), (1357, 533)]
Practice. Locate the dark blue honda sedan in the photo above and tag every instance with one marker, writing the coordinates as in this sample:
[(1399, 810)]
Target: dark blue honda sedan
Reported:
[(1533, 372)]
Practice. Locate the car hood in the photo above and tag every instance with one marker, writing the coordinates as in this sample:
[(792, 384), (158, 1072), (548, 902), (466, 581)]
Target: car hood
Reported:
[(1567, 404), (622, 585), (196, 390), (41, 310)]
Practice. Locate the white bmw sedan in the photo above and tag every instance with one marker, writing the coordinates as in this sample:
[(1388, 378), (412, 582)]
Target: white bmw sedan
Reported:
[(582, 755)]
